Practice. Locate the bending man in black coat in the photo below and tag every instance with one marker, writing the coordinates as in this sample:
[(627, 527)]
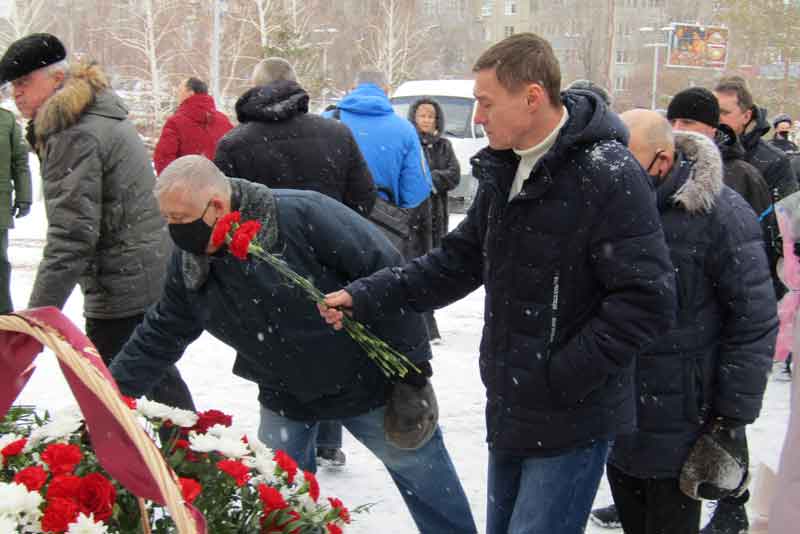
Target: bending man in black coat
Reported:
[(704, 379), (306, 372), (565, 237)]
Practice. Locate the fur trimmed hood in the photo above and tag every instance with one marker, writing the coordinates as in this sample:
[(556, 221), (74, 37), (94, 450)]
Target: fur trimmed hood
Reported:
[(84, 89), (704, 183)]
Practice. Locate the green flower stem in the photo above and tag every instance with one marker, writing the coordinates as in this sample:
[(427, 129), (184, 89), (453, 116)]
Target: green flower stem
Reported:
[(390, 361)]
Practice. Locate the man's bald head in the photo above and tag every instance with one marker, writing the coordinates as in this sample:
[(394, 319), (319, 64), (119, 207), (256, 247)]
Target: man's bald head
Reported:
[(652, 142)]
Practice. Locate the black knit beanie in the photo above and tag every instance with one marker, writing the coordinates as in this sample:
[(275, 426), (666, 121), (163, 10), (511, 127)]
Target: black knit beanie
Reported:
[(695, 103)]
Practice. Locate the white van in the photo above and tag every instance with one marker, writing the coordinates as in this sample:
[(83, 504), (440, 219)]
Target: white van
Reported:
[(458, 104)]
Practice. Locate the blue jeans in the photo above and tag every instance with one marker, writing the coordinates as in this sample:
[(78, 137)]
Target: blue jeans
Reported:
[(425, 477), (543, 495), (330, 434)]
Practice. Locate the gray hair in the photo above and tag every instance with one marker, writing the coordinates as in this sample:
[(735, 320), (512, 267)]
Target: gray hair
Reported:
[(271, 70), (195, 175), (59, 66), (372, 76), (650, 128)]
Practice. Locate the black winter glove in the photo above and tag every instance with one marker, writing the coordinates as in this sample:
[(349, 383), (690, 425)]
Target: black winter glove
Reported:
[(412, 413), (21, 209), (717, 464)]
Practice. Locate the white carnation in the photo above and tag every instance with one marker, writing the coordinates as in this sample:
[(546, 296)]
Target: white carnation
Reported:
[(64, 424), (156, 410), (15, 500), (86, 525), (232, 448)]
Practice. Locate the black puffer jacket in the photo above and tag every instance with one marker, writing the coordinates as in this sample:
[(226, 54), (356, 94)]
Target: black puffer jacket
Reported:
[(443, 163), (715, 359), (279, 144), (577, 277), (304, 369), (771, 162)]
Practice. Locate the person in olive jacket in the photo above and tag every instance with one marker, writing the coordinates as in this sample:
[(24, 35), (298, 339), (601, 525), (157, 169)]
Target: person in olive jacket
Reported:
[(104, 231), (15, 195)]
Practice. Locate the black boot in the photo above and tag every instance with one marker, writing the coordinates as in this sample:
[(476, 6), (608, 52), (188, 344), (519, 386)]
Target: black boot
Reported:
[(607, 517), (728, 518)]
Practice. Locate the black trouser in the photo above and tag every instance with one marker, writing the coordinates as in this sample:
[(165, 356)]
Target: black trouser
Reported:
[(430, 324), (5, 274), (652, 506), (109, 336)]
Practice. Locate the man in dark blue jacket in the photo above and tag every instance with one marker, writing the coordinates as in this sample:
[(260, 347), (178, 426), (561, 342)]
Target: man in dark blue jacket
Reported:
[(565, 237), (704, 379), (305, 371)]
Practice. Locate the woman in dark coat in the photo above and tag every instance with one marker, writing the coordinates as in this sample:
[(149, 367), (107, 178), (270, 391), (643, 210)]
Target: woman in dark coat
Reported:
[(427, 117)]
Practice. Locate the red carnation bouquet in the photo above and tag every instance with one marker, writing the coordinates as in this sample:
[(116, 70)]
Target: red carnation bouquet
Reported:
[(239, 236), (51, 481)]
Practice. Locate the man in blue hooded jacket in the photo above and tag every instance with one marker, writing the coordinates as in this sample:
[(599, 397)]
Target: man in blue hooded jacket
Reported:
[(388, 142), (565, 237)]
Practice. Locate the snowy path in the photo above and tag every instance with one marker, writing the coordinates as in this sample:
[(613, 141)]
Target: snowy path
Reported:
[(206, 368)]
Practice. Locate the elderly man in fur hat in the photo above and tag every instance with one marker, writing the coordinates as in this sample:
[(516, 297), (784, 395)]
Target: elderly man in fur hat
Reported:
[(701, 383), (105, 232)]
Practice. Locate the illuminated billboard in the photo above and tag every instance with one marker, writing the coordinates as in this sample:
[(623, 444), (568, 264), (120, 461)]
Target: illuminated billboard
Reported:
[(698, 47)]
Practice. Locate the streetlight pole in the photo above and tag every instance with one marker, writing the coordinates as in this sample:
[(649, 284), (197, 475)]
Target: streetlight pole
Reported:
[(325, 46), (655, 47), (215, 46)]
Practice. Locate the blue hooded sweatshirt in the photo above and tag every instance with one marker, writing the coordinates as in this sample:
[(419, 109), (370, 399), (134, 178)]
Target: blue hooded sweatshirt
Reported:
[(389, 143)]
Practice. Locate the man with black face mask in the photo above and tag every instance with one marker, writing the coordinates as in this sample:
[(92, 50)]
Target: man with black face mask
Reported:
[(306, 371), (702, 382), (782, 124)]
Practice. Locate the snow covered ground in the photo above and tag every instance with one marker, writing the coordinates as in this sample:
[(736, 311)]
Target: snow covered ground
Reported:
[(206, 368)]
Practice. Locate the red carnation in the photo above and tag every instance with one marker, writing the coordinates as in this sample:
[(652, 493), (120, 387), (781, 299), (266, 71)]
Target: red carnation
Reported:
[(313, 485), (180, 444), (58, 514), (129, 401), (97, 496), (334, 529), (64, 487), (209, 418), (271, 525), (286, 463), (13, 449), (271, 498), (62, 458), (32, 477), (344, 513), (190, 489), (223, 227), (240, 242), (237, 470)]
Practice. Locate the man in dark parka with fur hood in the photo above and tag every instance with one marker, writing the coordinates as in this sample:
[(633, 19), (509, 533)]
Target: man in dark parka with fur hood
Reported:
[(104, 229), (704, 379)]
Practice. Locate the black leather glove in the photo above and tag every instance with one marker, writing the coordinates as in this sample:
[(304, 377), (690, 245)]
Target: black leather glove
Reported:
[(718, 462), (21, 209), (412, 413)]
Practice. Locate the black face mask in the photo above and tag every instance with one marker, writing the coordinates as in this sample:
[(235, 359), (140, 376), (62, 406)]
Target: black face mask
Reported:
[(192, 236)]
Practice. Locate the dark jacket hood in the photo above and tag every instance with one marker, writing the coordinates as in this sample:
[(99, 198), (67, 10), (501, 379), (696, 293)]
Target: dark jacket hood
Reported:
[(696, 177), (412, 116), (366, 99), (277, 101), (198, 108), (728, 143), (758, 127), (590, 122)]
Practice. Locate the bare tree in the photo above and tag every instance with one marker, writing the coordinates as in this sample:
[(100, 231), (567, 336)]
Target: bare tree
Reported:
[(395, 42), (148, 28), (25, 17)]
